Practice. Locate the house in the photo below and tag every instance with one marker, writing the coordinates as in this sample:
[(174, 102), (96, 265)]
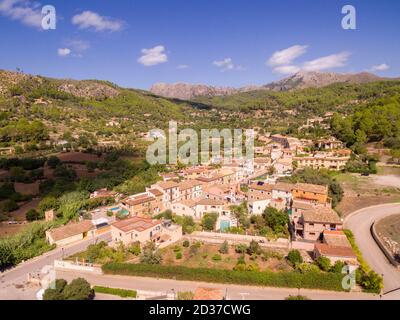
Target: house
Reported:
[(322, 160), (258, 191), (223, 192), (103, 193), (283, 166), (314, 222), (282, 191), (204, 206), (330, 143), (190, 189), (310, 192), (142, 230), (335, 253), (169, 176), (257, 207), (71, 233), (170, 190), (143, 204), (185, 208)]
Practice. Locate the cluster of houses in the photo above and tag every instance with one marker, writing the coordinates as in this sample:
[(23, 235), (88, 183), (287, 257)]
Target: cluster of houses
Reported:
[(197, 190)]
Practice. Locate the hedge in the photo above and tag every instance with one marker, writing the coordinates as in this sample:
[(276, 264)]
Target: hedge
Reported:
[(123, 293), (292, 279)]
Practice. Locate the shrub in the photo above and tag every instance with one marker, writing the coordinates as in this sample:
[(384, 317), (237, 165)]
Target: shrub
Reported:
[(123, 293), (185, 295), (9, 205), (291, 279), (252, 267), (110, 213), (241, 248), (209, 220), (33, 215), (178, 255), (299, 297), (216, 257), (253, 248), (150, 255), (77, 289), (186, 243), (323, 263), (294, 257), (224, 248), (337, 267), (135, 248), (307, 267)]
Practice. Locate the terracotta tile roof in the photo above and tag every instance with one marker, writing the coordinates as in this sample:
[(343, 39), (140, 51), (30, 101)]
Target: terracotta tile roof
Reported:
[(136, 223), (208, 294), (307, 187), (188, 184), (210, 202), (261, 187), (135, 200), (327, 250), (71, 229), (321, 215), (302, 205), (282, 186), (336, 239), (188, 202), (156, 192), (167, 184)]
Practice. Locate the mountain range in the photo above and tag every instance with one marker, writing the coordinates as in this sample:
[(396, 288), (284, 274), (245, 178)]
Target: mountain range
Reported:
[(300, 80)]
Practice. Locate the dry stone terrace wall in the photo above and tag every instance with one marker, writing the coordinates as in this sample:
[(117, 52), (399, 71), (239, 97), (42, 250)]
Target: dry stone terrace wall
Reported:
[(234, 239)]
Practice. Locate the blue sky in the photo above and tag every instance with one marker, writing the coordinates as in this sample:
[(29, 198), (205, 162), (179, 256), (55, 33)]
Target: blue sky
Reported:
[(224, 42)]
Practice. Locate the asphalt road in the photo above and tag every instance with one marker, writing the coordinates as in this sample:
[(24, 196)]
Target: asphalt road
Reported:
[(234, 292), (13, 286), (360, 223), (12, 280)]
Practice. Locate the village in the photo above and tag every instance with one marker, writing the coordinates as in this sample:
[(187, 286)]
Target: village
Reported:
[(222, 193)]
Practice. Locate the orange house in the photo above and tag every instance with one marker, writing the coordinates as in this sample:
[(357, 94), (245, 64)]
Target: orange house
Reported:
[(310, 192)]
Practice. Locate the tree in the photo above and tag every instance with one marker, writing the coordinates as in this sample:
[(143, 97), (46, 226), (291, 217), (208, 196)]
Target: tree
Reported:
[(323, 263), (150, 255), (53, 162), (209, 220), (275, 219), (9, 205), (224, 248), (55, 293), (78, 289), (294, 257), (33, 215)]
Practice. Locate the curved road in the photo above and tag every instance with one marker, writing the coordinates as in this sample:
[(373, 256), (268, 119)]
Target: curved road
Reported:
[(360, 223)]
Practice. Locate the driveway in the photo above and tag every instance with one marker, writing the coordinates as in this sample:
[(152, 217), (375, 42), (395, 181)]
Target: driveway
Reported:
[(360, 223)]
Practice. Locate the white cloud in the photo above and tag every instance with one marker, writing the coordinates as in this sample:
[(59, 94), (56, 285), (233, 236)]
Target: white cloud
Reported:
[(182, 66), (328, 62), (92, 20), (153, 56), (77, 45), (27, 12), (227, 64), (380, 67), (286, 69), (64, 52), (286, 56)]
